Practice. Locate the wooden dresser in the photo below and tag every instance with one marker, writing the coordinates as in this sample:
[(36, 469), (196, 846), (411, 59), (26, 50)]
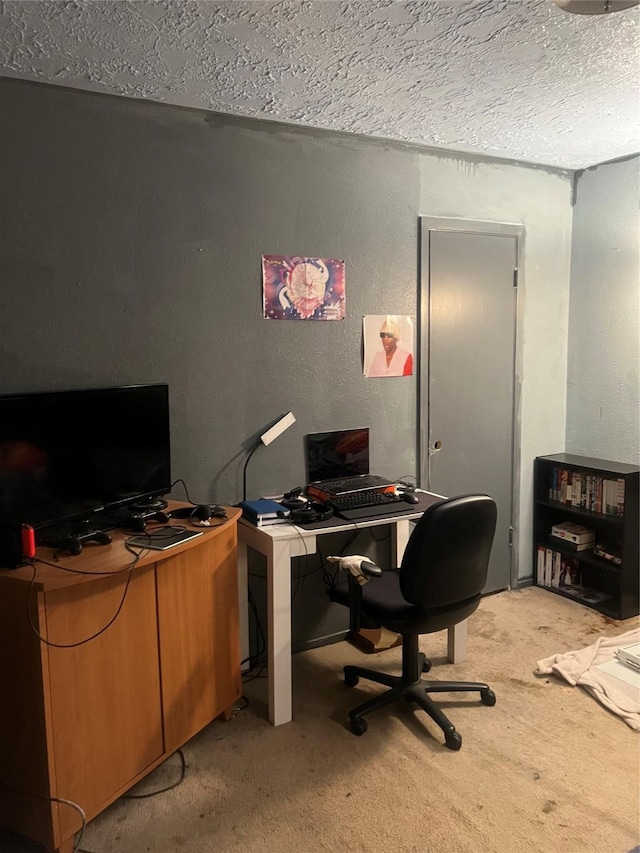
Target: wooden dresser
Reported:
[(84, 721)]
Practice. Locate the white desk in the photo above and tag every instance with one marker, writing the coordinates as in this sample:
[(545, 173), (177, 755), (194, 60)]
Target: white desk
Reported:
[(280, 544)]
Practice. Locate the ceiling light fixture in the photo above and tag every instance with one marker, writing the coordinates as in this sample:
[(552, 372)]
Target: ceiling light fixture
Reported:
[(595, 7)]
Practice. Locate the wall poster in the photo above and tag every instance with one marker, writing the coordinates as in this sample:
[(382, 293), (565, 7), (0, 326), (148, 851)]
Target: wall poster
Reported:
[(388, 345), (295, 288)]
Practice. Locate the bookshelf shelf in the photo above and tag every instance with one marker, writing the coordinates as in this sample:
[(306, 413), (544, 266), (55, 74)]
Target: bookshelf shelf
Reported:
[(585, 556), (576, 489)]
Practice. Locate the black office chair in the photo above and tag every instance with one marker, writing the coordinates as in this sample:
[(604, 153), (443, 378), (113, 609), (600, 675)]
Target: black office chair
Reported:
[(440, 581)]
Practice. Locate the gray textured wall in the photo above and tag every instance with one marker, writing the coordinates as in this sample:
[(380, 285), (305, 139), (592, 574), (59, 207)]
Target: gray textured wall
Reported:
[(134, 232), (603, 378), (131, 242)]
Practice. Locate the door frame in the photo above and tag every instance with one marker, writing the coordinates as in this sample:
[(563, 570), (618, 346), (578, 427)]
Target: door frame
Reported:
[(434, 223)]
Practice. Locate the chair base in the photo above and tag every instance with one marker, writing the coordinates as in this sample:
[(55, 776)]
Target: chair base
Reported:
[(412, 690)]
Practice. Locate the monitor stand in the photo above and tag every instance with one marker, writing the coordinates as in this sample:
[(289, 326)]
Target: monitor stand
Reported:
[(148, 506)]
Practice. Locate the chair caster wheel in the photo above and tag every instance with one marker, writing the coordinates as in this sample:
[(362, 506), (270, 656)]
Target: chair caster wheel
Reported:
[(488, 696), (452, 740), (350, 678), (426, 666), (358, 725)]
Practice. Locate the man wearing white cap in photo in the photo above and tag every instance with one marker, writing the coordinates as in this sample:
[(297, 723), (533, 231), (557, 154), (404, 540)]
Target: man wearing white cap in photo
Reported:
[(393, 360)]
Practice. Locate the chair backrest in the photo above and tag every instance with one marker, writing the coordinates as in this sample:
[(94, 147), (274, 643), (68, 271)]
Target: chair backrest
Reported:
[(447, 555)]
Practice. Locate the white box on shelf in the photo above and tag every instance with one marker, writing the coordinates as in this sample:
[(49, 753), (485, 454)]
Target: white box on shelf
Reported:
[(576, 534)]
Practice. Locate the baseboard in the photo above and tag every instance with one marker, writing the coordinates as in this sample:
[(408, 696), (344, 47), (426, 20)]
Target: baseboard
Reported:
[(321, 641)]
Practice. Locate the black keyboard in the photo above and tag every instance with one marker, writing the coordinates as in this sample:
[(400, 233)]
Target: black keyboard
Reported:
[(362, 504)]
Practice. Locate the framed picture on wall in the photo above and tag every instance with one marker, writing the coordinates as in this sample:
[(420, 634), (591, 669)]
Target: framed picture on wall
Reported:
[(388, 345), (297, 288)]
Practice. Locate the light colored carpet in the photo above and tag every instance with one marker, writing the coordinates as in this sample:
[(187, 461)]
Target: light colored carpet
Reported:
[(546, 769)]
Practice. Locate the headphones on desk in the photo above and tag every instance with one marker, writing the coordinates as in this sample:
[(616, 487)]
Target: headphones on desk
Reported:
[(310, 513)]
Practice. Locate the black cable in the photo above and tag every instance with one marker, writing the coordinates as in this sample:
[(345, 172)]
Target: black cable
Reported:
[(183, 769), (251, 676), (128, 569), (252, 660), (184, 485), (331, 578), (400, 481)]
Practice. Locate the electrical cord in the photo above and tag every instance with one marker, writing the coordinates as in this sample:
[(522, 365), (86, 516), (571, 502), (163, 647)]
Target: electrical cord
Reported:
[(253, 659), (129, 569), (183, 769), (151, 535), (184, 486), (411, 485), (251, 676), (76, 845), (193, 518)]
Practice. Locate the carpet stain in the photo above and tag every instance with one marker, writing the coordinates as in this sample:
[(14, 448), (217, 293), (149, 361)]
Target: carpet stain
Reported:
[(519, 682), (549, 806)]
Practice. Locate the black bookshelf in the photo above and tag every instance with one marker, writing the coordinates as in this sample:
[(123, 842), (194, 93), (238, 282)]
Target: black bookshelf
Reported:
[(578, 489)]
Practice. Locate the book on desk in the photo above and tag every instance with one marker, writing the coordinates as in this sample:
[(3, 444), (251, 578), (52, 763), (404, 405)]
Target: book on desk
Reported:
[(264, 512)]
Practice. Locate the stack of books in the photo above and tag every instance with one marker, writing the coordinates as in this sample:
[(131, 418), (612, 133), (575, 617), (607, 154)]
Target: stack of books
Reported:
[(264, 512), (588, 491), (576, 536)]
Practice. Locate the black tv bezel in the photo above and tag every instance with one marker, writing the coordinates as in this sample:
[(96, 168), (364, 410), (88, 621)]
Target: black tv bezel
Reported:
[(87, 514)]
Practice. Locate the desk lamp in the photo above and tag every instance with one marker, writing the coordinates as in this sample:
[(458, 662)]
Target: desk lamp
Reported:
[(265, 439)]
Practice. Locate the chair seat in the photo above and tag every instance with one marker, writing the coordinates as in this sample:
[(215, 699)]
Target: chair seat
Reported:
[(384, 603)]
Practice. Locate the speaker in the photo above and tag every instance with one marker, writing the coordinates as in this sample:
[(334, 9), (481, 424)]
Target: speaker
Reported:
[(310, 513), (199, 512)]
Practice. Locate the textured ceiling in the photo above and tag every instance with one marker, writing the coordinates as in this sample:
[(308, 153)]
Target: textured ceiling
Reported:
[(512, 78)]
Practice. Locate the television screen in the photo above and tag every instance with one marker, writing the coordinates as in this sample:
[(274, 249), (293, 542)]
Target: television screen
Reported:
[(66, 455)]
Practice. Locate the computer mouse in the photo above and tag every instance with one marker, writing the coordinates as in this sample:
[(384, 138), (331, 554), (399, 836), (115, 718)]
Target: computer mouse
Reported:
[(410, 498)]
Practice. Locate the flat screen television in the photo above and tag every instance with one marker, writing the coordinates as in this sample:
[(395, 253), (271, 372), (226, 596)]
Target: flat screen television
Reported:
[(67, 455)]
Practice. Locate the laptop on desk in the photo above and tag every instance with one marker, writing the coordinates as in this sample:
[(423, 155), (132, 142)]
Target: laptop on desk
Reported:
[(338, 464)]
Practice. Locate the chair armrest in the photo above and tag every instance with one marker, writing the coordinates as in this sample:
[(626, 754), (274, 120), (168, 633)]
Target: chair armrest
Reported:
[(370, 569)]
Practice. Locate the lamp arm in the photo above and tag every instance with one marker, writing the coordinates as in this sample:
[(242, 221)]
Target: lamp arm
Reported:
[(244, 472)]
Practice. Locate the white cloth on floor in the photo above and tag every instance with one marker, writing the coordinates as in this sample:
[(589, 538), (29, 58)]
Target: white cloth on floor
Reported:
[(581, 668)]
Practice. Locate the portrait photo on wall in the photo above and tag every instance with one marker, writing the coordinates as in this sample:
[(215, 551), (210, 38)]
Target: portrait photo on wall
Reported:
[(295, 288), (388, 345)]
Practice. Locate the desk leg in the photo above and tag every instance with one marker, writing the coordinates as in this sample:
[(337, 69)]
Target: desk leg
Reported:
[(279, 631), (457, 642), (243, 602), (400, 532)]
